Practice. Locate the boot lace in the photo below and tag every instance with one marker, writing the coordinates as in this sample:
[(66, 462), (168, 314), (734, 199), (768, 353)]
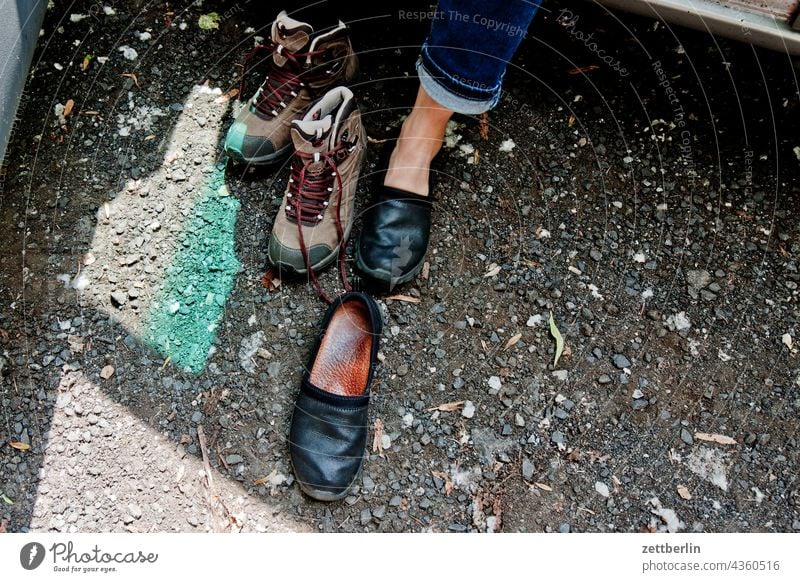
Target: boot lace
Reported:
[(308, 199), (282, 83)]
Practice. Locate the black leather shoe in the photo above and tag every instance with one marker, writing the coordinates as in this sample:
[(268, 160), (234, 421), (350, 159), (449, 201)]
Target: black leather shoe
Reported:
[(328, 433), (394, 235)]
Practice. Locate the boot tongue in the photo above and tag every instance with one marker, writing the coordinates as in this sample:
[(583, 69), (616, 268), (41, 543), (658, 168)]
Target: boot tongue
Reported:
[(311, 136), (291, 34)]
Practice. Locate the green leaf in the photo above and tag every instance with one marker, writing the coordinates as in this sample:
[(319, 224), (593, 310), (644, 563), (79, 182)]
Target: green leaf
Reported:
[(559, 340), (6, 500), (209, 21)]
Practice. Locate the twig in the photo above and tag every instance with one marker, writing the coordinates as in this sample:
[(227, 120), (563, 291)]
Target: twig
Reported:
[(201, 436), (211, 493)]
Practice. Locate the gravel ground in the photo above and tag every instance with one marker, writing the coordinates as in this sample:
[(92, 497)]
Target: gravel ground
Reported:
[(649, 206)]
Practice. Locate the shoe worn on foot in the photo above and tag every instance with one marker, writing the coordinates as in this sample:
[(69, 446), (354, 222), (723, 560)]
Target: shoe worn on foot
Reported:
[(394, 236), (328, 433), (302, 66), (317, 212)]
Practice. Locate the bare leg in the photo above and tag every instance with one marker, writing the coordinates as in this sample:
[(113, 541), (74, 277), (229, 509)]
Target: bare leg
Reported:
[(420, 140)]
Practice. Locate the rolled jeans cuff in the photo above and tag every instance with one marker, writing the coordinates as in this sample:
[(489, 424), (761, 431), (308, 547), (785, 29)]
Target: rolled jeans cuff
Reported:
[(454, 94)]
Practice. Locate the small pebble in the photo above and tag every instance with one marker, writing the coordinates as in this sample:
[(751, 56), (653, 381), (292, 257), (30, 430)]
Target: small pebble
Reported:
[(621, 361), (469, 409), (528, 469), (687, 437)]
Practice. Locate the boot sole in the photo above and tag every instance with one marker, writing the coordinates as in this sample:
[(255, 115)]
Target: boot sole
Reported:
[(325, 262), (321, 494), (268, 160), (384, 278)]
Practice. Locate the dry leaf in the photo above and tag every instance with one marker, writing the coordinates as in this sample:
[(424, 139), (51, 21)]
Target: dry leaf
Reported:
[(720, 439), (448, 483), (376, 439), (185, 439), (513, 340), (543, 487), (579, 70), (483, 125), (19, 446), (406, 298), (266, 479), (571, 121), (68, 107), (493, 270), (107, 372), (559, 339), (132, 76), (270, 280), (448, 406), (227, 96), (684, 492)]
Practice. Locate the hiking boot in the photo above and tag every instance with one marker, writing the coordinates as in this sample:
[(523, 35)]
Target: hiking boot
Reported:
[(302, 66), (317, 212)]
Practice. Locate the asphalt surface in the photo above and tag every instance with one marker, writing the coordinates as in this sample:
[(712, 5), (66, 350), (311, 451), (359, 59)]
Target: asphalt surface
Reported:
[(647, 201)]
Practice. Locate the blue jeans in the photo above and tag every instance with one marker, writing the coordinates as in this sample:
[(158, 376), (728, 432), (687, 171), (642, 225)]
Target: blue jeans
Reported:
[(464, 58)]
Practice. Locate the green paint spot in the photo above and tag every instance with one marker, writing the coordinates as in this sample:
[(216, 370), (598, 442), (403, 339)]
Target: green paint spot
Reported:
[(235, 138), (183, 322)]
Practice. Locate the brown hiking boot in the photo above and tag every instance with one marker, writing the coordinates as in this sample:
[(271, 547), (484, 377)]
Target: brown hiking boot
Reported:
[(317, 212), (301, 67)]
